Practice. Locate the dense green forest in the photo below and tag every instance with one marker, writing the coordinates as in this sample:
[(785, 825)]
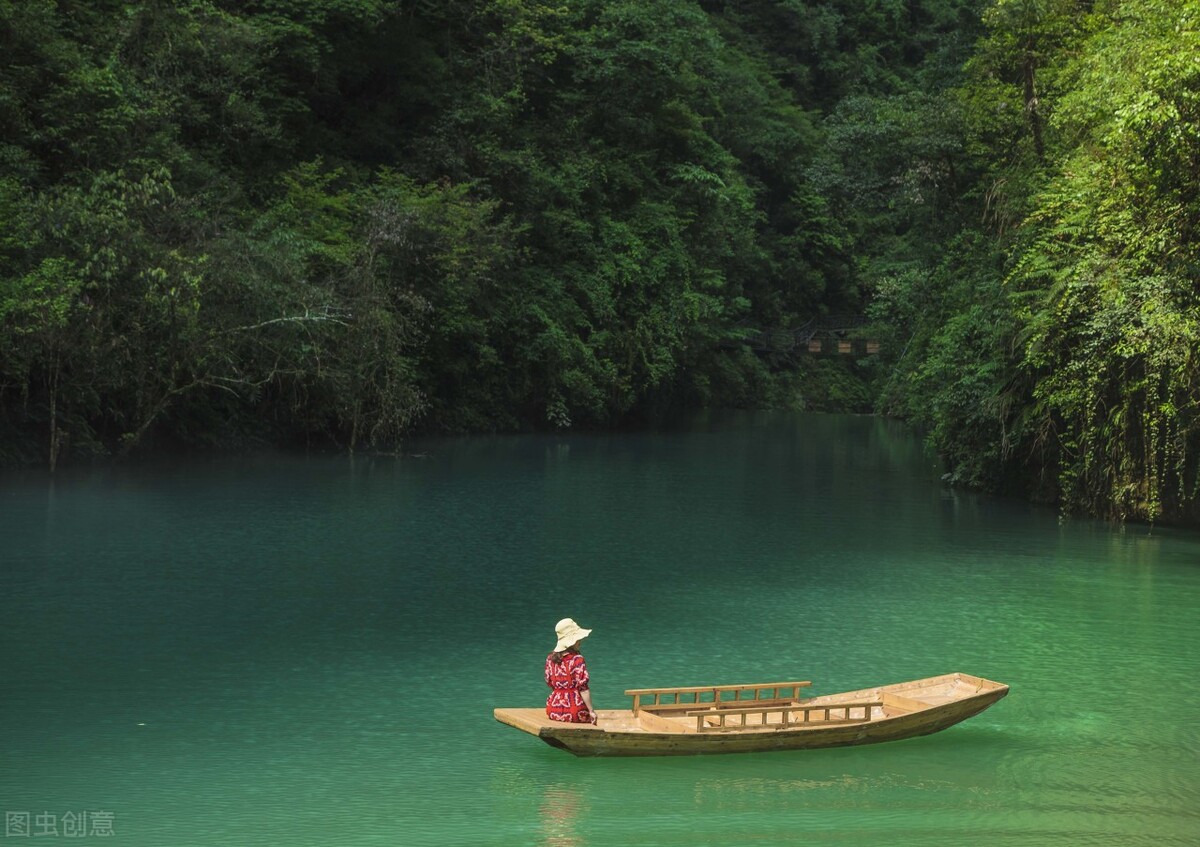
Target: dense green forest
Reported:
[(339, 222)]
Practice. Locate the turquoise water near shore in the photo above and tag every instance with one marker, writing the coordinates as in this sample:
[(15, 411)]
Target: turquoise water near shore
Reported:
[(293, 651)]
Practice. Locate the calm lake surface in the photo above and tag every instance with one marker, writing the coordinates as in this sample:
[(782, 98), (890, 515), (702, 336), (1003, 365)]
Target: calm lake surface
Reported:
[(307, 651)]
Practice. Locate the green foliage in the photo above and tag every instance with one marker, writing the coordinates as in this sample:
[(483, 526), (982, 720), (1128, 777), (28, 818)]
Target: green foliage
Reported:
[(1064, 355), (340, 221), (1110, 255)]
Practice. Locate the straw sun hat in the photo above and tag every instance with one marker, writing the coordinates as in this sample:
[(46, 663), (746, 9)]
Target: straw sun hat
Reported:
[(568, 633)]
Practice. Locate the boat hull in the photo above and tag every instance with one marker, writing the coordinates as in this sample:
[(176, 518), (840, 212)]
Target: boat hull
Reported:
[(906, 714)]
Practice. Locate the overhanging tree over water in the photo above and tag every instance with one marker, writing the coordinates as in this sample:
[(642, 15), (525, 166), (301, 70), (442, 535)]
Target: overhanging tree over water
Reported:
[(1067, 355)]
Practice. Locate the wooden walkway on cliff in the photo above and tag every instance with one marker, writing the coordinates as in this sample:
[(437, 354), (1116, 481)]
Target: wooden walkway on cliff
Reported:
[(826, 334)]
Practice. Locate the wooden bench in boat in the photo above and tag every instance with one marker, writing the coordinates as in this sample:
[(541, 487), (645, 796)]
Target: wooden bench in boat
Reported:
[(716, 694), (709, 720)]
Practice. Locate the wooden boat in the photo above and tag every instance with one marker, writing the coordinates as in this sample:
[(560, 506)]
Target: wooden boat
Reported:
[(763, 716)]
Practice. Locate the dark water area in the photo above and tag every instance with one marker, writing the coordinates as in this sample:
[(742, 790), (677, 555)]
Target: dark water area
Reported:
[(294, 651)]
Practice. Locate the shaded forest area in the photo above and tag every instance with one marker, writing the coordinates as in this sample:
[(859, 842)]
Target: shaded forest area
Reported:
[(338, 222)]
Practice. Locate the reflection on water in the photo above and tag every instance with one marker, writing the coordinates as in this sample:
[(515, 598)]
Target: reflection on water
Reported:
[(307, 651), (559, 812)]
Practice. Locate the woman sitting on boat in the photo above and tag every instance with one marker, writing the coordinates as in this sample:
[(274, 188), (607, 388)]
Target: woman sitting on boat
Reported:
[(570, 700)]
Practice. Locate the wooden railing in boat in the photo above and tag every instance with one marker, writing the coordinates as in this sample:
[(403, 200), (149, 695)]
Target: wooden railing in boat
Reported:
[(717, 693), (710, 720)]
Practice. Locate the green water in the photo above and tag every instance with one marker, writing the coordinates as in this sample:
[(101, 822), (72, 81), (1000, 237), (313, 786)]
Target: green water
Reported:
[(284, 651)]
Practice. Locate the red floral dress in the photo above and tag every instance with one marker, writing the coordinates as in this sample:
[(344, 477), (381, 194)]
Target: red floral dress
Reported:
[(567, 678)]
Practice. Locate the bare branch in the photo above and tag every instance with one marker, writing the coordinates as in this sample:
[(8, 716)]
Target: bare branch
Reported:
[(326, 314)]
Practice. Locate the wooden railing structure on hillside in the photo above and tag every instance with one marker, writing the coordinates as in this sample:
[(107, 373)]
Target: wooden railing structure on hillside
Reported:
[(826, 334)]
